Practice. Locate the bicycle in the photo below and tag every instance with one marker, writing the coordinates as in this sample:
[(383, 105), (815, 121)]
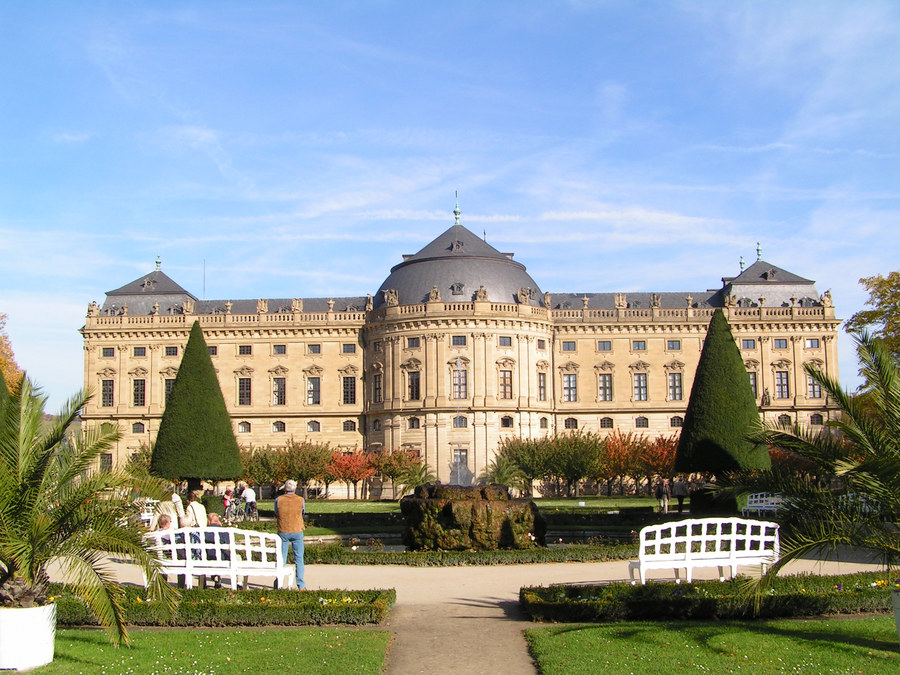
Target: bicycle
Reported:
[(253, 514), (235, 512)]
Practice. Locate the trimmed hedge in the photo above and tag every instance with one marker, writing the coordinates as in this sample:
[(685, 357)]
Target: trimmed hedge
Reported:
[(338, 554), (795, 596), (224, 607)]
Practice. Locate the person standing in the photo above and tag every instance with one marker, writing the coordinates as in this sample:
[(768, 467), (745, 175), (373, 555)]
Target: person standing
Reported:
[(289, 510), (195, 513), (662, 495), (249, 497), (680, 491)]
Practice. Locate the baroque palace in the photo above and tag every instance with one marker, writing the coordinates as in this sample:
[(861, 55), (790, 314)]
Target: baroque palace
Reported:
[(458, 349)]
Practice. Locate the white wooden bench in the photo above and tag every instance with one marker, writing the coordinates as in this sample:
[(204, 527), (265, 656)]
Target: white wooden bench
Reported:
[(706, 542), (760, 503), (148, 511), (221, 551)]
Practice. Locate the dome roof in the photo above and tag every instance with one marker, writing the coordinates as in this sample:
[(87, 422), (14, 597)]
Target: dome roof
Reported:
[(457, 263)]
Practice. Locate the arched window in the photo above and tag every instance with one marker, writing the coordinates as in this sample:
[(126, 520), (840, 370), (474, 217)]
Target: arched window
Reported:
[(816, 420), (349, 425), (243, 427), (570, 423), (544, 423), (413, 423), (642, 423), (506, 422), (313, 426), (278, 426), (138, 428), (784, 420), (376, 425), (606, 422), (745, 302), (676, 422), (460, 422)]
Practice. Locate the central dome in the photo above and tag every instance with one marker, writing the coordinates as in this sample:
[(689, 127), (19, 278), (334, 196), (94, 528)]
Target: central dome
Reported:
[(458, 263)]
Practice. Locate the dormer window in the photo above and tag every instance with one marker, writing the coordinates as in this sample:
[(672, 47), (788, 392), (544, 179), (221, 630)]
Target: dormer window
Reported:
[(769, 275), (457, 288)]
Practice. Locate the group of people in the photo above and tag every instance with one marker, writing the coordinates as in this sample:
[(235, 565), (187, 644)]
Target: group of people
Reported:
[(663, 492), (290, 509)]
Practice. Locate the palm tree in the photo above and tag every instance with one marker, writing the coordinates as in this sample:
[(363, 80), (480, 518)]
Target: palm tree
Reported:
[(55, 506), (502, 470), (859, 451), (411, 477)]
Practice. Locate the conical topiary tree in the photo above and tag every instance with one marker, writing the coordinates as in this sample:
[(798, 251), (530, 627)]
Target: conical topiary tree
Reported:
[(195, 439), (722, 412)]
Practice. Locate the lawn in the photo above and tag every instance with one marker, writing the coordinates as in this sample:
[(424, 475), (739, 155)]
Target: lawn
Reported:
[(843, 645), (259, 651)]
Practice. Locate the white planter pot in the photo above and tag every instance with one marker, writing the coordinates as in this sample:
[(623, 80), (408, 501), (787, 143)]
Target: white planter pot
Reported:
[(27, 636), (896, 596)]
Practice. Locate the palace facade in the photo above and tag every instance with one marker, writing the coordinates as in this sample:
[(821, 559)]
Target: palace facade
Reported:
[(458, 349)]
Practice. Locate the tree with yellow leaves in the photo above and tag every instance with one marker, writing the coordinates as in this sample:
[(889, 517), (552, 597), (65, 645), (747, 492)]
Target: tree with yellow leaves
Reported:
[(8, 366)]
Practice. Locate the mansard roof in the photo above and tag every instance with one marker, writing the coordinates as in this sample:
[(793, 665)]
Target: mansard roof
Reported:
[(156, 283), (458, 262), (762, 272)]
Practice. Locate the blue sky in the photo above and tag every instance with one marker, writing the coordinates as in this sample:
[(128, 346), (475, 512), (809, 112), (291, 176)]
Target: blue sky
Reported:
[(300, 148)]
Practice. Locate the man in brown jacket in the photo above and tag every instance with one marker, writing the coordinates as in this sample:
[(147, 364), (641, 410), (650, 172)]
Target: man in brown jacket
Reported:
[(289, 510)]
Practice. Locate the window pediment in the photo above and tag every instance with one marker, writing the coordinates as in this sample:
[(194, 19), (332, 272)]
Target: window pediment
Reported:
[(606, 366), (107, 372), (411, 364), (461, 360), (816, 363), (313, 370), (639, 366), (169, 371), (569, 367), (751, 364), (244, 371), (506, 362), (278, 370), (377, 367), (349, 370), (543, 365), (781, 363), (674, 366), (140, 371)]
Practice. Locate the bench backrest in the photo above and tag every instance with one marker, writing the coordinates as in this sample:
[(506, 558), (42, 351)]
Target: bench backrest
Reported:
[(764, 499), (712, 538), (216, 547)]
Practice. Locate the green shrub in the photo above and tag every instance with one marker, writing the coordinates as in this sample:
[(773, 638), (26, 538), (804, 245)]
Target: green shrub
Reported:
[(213, 504), (224, 607), (803, 595)]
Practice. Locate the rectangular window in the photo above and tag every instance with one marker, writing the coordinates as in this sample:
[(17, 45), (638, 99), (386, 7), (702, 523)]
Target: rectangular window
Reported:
[(780, 343), (213, 351), (813, 388), (313, 391), (639, 345), (542, 386), (506, 384), (171, 351), (570, 387), (377, 389), (604, 391), (413, 390), (107, 393), (568, 345), (782, 384), (640, 386), (378, 345), (505, 341), (106, 462), (279, 391), (169, 383), (348, 348), (541, 344), (109, 352), (313, 349), (458, 340), (604, 345), (139, 393), (460, 386), (140, 351), (748, 344), (812, 343), (673, 345), (243, 391), (413, 343), (245, 350), (279, 349), (675, 390), (348, 386), (753, 384)]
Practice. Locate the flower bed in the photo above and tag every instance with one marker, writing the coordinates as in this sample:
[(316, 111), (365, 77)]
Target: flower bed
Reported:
[(803, 595), (224, 607)]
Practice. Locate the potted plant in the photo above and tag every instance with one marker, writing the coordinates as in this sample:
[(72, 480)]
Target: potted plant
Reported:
[(859, 450), (56, 506)]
